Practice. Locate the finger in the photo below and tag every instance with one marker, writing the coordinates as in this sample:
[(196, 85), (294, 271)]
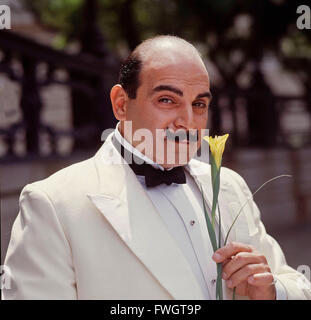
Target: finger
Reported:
[(225, 262), (244, 273), (240, 260), (261, 279), (242, 289), (229, 250)]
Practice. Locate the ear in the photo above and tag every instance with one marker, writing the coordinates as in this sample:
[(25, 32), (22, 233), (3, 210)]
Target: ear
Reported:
[(119, 101)]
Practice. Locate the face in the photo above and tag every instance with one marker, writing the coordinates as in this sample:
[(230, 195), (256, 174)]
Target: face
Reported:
[(174, 95)]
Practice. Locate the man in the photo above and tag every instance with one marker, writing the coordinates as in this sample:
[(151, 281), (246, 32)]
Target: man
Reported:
[(106, 229)]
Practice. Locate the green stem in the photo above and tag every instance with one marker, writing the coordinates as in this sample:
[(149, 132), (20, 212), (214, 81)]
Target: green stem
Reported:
[(215, 179), (219, 294), (219, 228), (210, 228), (233, 294)]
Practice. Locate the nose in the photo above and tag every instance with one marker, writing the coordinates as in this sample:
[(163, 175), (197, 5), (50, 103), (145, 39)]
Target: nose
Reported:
[(184, 119)]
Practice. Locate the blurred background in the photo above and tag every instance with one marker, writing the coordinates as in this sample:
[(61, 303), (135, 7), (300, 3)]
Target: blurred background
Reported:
[(61, 57)]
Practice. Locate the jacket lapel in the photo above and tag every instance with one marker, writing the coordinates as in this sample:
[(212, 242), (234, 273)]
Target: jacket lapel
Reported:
[(127, 207)]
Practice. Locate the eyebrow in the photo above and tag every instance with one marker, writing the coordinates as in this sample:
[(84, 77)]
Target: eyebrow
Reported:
[(168, 88), (206, 94)]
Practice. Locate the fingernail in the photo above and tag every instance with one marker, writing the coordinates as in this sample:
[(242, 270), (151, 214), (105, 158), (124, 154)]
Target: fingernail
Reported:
[(229, 283), (224, 276), (216, 256)]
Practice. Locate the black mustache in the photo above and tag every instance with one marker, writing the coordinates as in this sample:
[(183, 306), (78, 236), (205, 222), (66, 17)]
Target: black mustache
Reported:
[(181, 135)]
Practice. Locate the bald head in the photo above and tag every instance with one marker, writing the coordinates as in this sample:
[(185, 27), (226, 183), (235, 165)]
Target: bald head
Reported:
[(165, 46), (154, 53)]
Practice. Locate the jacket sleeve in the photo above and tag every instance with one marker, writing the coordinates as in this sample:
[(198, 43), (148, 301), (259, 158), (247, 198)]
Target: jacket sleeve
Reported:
[(38, 263), (296, 285)]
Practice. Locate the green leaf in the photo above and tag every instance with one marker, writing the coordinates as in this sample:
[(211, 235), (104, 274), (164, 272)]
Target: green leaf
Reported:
[(210, 227), (252, 196)]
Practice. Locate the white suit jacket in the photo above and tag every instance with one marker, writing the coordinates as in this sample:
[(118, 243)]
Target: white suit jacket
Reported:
[(90, 231)]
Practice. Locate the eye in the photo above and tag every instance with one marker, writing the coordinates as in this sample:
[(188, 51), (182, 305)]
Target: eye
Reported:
[(166, 100), (200, 104)]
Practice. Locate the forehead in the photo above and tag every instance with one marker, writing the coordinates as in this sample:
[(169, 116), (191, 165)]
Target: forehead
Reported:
[(185, 72)]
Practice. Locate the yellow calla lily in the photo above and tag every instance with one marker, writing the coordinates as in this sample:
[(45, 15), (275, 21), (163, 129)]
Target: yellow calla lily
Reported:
[(217, 146)]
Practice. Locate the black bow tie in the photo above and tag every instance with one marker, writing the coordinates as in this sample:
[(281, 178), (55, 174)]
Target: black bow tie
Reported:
[(153, 176)]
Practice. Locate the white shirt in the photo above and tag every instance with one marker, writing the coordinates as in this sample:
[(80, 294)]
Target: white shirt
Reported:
[(180, 207)]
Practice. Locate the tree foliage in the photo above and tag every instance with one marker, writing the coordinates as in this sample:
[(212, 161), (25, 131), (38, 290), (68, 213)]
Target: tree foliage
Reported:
[(235, 35), (231, 32)]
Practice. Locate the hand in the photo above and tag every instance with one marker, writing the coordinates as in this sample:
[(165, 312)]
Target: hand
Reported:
[(247, 270)]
